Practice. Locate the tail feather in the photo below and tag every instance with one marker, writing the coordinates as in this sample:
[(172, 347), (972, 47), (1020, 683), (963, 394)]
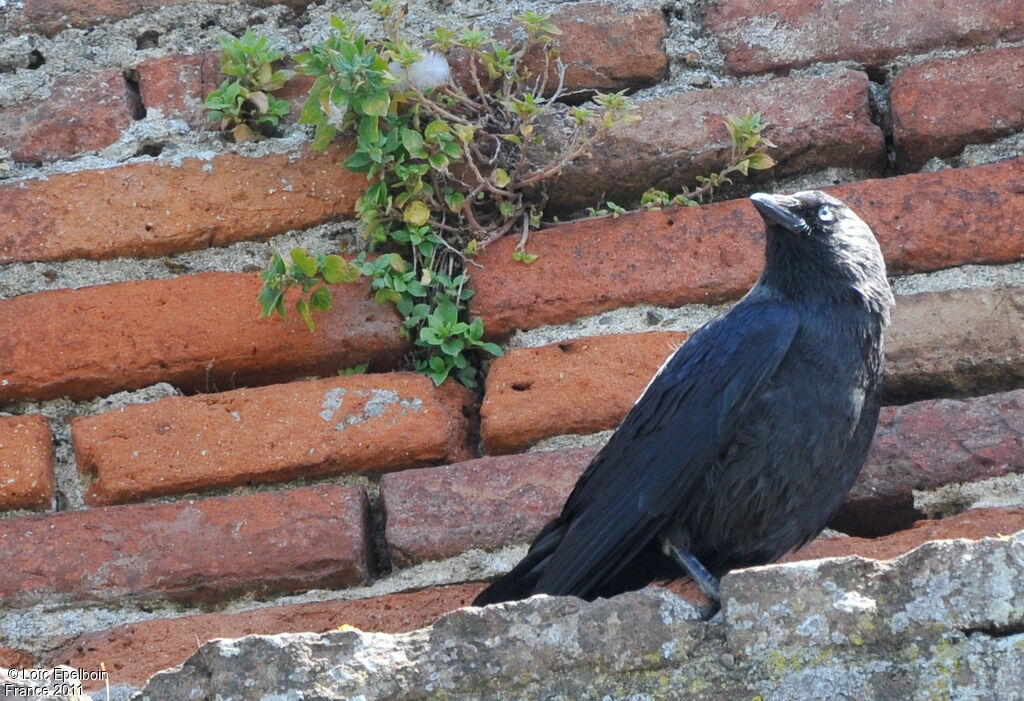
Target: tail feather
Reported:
[(521, 581)]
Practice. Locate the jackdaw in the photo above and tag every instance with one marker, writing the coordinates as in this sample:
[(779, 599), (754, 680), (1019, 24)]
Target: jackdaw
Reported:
[(750, 435)]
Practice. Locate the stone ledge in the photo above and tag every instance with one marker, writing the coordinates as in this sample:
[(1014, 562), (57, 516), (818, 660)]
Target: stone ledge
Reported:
[(795, 631)]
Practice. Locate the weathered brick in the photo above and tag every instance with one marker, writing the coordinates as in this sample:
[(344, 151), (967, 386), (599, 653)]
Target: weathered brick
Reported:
[(781, 34), (580, 386), (605, 47), (939, 344), (177, 85), (199, 332), (80, 113), (941, 105), (438, 512), (669, 257), (357, 423), (134, 652), (714, 253), (815, 122), (26, 462), (926, 445), (20, 659), (153, 208), (971, 525), (955, 343), (204, 550), (50, 17)]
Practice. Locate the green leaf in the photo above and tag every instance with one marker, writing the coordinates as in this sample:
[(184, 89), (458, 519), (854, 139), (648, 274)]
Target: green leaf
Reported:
[(455, 201), (429, 336), (447, 312), (397, 263), (376, 104), (320, 299), (412, 140), (761, 161), (303, 308), (438, 161), (453, 346), (337, 269), (304, 263), (358, 162), (416, 213), (269, 300), (369, 130), (524, 257), (492, 348), (476, 330), (435, 130), (323, 135), (501, 177), (387, 295)]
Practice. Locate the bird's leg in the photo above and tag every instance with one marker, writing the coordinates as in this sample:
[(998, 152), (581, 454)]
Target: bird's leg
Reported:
[(704, 580)]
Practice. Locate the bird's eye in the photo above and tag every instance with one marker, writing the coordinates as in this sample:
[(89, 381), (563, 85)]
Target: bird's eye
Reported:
[(825, 213)]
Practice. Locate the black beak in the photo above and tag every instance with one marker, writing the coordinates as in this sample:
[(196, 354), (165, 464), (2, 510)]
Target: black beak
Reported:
[(778, 210)]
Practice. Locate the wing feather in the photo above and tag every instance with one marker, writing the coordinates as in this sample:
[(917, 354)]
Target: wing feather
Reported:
[(679, 426)]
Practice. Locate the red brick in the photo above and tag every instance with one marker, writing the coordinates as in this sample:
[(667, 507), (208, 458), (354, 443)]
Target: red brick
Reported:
[(50, 17), (20, 659), (668, 257), (199, 332), (940, 344), (781, 34), (438, 512), (605, 47), (926, 445), (177, 85), (941, 105), (204, 550), (357, 423), (26, 462), (580, 386), (154, 208), (133, 653), (917, 446), (971, 525), (815, 122), (714, 253), (82, 112)]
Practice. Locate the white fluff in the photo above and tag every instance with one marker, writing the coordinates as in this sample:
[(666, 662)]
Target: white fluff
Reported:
[(429, 72)]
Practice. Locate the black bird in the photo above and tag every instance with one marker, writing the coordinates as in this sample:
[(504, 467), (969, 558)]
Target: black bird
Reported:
[(746, 441)]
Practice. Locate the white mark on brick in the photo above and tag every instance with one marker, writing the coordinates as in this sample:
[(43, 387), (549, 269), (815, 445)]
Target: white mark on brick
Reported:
[(332, 402), (377, 405)]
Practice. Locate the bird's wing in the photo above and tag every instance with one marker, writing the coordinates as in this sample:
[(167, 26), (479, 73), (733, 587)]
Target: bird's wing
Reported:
[(680, 425)]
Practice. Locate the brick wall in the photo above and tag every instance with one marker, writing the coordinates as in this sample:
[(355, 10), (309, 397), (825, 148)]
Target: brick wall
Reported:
[(170, 471)]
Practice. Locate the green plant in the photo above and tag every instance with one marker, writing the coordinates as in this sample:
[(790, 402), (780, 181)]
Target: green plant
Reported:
[(450, 168), (243, 101), (747, 153)]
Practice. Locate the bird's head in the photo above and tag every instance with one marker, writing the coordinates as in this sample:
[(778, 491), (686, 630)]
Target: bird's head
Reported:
[(818, 246)]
